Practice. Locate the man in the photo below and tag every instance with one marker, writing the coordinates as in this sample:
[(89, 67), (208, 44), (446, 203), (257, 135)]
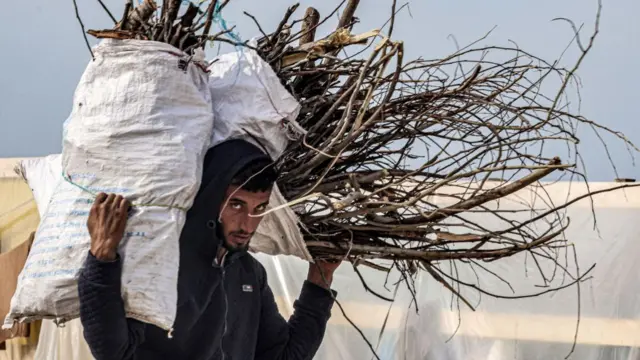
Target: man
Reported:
[(226, 309)]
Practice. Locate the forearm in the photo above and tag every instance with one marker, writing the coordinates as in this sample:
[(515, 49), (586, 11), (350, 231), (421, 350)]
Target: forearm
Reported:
[(106, 329), (301, 336), (308, 323)]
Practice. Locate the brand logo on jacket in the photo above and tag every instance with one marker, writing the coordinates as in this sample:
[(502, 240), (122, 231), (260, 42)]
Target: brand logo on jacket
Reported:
[(247, 288)]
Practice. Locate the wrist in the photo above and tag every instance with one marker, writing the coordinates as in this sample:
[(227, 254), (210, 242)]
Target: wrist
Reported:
[(317, 278), (102, 253)]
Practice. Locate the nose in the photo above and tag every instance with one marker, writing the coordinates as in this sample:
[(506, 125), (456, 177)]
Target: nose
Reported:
[(249, 224)]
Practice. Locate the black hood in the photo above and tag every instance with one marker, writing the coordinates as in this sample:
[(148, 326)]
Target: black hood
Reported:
[(221, 163)]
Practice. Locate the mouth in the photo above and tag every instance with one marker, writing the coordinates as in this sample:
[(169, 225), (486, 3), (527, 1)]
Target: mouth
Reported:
[(240, 239)]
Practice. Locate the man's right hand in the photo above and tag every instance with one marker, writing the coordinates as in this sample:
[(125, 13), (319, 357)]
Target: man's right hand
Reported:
[(106, 223)]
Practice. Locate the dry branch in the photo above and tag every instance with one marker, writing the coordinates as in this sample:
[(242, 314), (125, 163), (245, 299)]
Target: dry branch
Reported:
[(186, 32), (75, 6), (311, 20), (315, 50), (347, 16)]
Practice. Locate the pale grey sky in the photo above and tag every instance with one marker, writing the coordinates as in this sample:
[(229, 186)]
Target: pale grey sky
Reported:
[(44, 55)]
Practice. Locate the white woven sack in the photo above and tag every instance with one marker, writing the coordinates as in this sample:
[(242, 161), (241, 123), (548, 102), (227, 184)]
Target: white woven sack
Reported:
[(249, 102), (140, 125), (248, 98)]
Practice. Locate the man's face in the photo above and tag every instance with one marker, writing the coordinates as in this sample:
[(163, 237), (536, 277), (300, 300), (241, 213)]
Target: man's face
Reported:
[(239, 215)]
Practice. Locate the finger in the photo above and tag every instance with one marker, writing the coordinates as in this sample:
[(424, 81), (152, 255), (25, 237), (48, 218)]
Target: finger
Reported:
[(94, 211), (109, 202), (123, 206), (100, 198), (116, 202), (121, 211), (124, 203), (327, 261)]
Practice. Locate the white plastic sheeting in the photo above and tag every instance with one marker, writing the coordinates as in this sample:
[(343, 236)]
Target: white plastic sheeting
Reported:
[(537, 328), (62, 343)]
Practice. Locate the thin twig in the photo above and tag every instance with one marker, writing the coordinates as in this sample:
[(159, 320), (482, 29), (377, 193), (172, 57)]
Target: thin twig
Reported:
[(84, 33), (106, 9), (209, 20)]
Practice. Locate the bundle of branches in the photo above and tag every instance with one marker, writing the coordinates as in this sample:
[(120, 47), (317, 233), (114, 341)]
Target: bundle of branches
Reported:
[(388, 139), (149, 21), (397, 153)]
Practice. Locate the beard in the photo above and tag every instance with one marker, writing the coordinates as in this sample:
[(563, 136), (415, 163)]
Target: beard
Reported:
[(227, 245), (233, 248)]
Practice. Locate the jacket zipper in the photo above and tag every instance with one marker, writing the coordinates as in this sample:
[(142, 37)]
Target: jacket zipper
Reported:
[(226, 305)]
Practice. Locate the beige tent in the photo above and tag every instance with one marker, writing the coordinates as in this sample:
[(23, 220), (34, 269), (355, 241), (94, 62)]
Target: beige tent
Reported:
[(18, 212), (18, 219)]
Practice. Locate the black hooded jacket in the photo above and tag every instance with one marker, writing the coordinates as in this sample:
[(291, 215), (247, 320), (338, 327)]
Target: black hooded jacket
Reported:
[(224, 312)]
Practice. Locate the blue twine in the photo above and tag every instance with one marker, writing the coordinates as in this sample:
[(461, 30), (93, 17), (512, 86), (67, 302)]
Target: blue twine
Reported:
[(220, 21), (217, 18), (67, 178)]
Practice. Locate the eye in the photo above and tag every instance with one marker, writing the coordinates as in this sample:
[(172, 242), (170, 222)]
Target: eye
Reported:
[(261, 208), (235, 206)]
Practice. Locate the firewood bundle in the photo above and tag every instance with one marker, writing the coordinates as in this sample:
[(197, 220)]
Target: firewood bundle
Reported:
[(399, 152), (388, 139)]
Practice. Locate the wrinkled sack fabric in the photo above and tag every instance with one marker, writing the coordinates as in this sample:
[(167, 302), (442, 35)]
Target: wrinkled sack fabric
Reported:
[(11, 264), (139, 106), (249, 102)]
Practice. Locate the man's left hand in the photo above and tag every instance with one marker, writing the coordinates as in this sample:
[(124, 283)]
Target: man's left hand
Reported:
[(321, 272)]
